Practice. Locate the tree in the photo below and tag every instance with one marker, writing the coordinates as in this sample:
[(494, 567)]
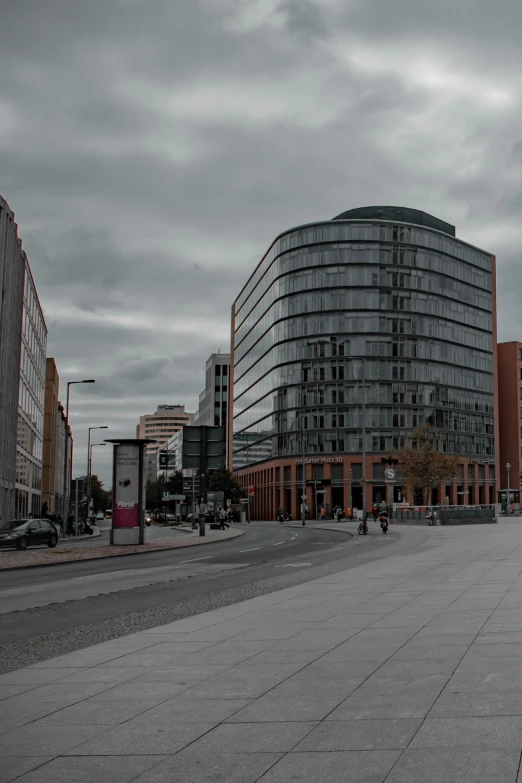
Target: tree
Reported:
[(101, 498), (224, 481), (423, 467), (154, 493)]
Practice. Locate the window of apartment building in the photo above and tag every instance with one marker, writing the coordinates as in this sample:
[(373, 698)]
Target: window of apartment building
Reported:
[(520, 354), (520, 373), (520, 392)]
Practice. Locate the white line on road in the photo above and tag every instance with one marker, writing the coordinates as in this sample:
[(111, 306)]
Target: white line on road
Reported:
[(249, 550), (209, 557), (279, 542)]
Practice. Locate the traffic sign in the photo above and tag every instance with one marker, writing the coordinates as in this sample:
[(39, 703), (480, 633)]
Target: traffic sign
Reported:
[(243, 500), (303, 497), (252, 490), (389, 474)]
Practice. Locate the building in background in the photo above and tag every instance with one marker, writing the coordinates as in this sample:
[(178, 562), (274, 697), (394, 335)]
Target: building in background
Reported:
[(160, 426), (169, 456), (64, 439), (250, 448), (151, 466), (365, 326), (31, 399), (56, 434), (12, 273), (213, 400), (51, 418), (510, 413)]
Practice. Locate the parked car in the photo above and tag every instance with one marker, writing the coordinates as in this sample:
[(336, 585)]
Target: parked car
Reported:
[(100, 516), (148, 519), (22, 533)]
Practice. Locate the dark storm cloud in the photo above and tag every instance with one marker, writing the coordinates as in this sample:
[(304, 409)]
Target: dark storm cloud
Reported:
[(152, 150)]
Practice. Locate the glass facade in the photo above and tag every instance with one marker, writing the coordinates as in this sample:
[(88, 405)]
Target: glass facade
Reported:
[(397, 312), (31, 400)]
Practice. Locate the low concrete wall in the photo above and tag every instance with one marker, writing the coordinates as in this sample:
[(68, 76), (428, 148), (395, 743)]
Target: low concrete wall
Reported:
[(447, 516)]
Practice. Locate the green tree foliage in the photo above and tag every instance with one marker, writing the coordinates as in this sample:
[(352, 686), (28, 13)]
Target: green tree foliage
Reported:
[(224, 481), (155, 489), (101, 498), (423, 467)]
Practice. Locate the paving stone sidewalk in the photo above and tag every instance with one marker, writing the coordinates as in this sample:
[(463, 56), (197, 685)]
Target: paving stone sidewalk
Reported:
[(40, 556), (404, 670)]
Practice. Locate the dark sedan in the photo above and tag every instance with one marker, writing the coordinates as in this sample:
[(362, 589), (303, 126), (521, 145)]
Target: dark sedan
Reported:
[(22, 533)]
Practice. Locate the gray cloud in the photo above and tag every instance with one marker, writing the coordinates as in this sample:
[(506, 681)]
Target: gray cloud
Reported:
[(152, 150)]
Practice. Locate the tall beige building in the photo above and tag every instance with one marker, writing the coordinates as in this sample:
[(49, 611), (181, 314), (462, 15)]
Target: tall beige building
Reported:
[(160, 426), (54, 442)]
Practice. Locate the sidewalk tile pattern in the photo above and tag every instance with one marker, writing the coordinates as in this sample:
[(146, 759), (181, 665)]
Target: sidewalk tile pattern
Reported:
[(402, 669)]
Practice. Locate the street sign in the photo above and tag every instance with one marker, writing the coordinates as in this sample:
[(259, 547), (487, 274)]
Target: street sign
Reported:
[(303, 497), (243, 500), (389, 474), (177, 497)]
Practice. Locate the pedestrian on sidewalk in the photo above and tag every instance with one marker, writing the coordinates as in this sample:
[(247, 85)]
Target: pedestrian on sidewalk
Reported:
[(223, 519)]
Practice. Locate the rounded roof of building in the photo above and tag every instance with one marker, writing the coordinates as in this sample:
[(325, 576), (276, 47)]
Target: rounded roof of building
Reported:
[(398, 215)]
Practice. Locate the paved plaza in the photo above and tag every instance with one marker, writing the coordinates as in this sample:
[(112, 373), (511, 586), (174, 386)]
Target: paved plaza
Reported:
[(406, 669)]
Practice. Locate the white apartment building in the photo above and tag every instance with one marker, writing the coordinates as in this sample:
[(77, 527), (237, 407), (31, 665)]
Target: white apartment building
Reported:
[(162, 425)]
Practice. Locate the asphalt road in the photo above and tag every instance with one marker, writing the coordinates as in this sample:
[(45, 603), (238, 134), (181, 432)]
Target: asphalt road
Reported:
[(261, 543), (72, 606)]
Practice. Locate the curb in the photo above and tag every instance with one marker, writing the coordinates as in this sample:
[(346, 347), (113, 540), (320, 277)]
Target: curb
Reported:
[(112, 557), (332, 529)]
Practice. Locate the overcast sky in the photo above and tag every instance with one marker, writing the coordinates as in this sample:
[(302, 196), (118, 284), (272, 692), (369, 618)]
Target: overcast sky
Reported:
[(152, 149)]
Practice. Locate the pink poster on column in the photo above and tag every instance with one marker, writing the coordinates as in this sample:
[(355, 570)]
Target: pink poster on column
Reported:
[(127, 486)]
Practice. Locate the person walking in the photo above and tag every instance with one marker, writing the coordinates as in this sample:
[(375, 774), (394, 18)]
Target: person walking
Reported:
[(223, 519)]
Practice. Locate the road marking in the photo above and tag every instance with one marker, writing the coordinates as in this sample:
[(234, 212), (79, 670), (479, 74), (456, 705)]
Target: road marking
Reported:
[(249, 550), (293, 565), (279, 542), (209, 557)]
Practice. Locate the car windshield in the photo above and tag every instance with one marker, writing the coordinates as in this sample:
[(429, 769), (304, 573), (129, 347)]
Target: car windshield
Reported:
[(12, 525)]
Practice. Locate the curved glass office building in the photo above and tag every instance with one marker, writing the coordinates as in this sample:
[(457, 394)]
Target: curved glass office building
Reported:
[(381, 311)]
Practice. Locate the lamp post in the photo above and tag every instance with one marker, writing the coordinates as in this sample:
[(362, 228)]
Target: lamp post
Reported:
[(89, 462), (303, 491), (66, 478), (248, 479), (508, 468)]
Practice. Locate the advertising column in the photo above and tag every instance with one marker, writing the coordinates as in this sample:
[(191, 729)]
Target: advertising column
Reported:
[(127, 515)]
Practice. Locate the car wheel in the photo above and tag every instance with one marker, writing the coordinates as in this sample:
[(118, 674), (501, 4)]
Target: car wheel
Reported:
[(22, 543), (53, 540)]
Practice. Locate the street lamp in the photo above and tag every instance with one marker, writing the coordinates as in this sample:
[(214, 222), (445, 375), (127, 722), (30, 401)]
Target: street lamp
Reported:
[(508, 467), (89, 460), (66, 478)]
